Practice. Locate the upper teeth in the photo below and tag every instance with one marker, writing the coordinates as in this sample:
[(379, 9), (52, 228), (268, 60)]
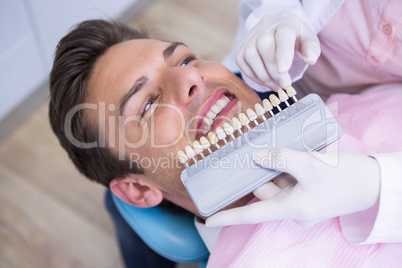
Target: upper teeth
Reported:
[(214, 110)]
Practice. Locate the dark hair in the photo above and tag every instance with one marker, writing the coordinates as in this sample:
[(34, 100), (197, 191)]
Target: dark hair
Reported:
[(74, 61)]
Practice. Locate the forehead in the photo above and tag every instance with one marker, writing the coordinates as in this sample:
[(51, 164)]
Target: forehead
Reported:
[(122, 63), (138, 48)]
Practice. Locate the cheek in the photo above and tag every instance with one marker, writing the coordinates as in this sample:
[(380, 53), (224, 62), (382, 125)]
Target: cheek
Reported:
[(169, 181), (167, 127), (217, 70)]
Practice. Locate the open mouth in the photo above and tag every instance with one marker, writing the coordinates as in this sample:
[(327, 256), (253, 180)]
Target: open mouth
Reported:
[(215, 112)]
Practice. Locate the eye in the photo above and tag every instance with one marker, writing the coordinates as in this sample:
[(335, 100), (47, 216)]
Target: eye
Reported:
[(148, 104), (187, 60)]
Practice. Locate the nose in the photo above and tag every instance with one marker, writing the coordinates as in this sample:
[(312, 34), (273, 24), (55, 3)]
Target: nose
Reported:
[(182, 84)]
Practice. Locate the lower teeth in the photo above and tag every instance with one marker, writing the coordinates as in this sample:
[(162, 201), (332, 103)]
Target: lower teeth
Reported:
[(206, 130)]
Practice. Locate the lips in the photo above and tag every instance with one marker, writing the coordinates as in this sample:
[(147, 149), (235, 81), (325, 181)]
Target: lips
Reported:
[(214, 111)]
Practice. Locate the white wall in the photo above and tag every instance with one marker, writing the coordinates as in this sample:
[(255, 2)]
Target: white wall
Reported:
[(29, 32)]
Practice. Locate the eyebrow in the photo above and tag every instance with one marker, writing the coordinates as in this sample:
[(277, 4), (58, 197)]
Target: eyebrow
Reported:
[(138, 85), (171, 48), (140, 82)]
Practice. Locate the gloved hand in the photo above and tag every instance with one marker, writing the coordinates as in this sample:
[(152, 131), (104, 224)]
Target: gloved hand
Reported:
[(325, 188), (267, 52)]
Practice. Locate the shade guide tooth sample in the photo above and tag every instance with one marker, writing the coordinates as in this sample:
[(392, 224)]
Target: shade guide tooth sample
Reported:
[(229, 130), (189, 151), (236, 123), (197, 147), (291, 92), (259, 109), (213, 139), (267, 106), (275, 101), (243, 119), (182, 157), (220, 133), (251, 114), (205, 143), (283, 97)]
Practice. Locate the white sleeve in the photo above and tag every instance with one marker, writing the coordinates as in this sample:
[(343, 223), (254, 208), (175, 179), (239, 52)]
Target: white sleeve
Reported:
[(253, 10), (383, 222)]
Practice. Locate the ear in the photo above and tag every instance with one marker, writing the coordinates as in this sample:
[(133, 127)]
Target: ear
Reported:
[(136, 191)]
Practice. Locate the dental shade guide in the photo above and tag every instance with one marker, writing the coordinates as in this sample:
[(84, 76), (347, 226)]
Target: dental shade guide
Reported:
[(228, 173)]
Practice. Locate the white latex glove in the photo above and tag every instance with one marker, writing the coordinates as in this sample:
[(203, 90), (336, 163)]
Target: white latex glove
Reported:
[(322, 190), (267, 52)]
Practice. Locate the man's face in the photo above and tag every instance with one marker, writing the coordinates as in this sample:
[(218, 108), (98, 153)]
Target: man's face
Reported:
[(161, 93)]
